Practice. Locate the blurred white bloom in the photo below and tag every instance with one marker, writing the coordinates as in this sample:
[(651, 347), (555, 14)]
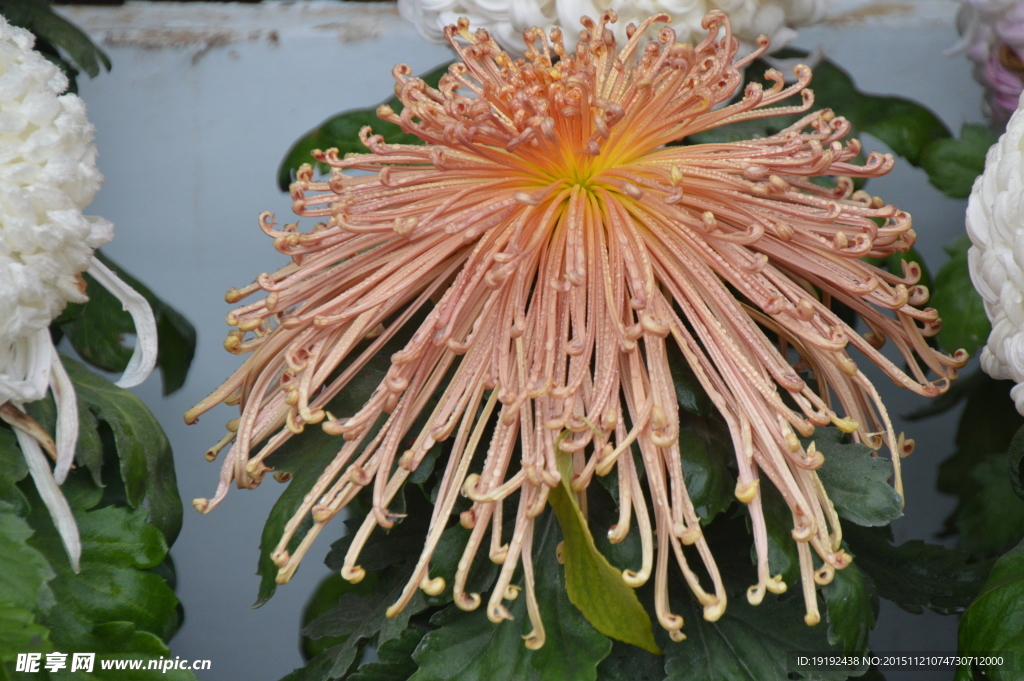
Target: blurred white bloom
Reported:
[(993, 39), (47, 176), (506, 20), (995, 223)]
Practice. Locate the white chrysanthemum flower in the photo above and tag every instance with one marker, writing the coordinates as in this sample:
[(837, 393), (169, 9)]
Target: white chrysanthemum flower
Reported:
[(48, 175), (995, 223), (506, 20)]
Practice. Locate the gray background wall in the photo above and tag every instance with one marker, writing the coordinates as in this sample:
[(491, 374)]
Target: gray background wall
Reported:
[(202, 103)]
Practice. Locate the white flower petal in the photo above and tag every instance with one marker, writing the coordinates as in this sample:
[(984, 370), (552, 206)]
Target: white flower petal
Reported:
[(506, 20), (51, 495), (995, 225), (67, 417), (144, 355), (25, 368)]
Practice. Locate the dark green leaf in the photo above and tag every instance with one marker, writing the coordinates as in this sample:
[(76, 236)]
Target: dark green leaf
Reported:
[(146, 462), (689, 392), (447, 555), (121, 536), (97, 332), (991, 520), (394, 659), (358, 617), (987, 427), (401, 544), (53, 29), (856, 482), (89, 449), (1016, 463), (573, 648), (326, 597), (19, 633), (852, 606), (907, 127), (629, 663), (23, 570), (12, 469), (342, 132), (994, 624), (469, 647), (964, 323), (594, 586), (305, 458), (709, 481), (952, 164), (122, 641), (747, 643), (782, 555), (111, 587), (915, 575)]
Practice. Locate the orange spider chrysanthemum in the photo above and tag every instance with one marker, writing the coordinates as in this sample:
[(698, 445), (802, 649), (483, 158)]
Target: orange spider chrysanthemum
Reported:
[(558, 246)]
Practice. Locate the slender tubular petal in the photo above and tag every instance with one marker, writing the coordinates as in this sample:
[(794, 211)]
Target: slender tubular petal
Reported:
[(143, 358), (67, 417), (545, 253), (52, 497)]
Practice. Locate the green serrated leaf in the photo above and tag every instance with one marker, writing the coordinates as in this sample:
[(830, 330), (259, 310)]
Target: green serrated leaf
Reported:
[(97, 332), (629, 663), (964, 323), (856, 482), (122, 642), (342, 132), (326, 597), (121, 536), (953, 164), (916, 575), (12, 469), (852, 603), (992, 520), (53, 30), (709, 482), (782, 552), (20, 633), (146, 462), (989, 516), (747, 643), (111, 587), (394, 659), (384, 548), (994, 623), (23, 570), (468, 647), (690, 393), (357, 617), (593, 585), (1015, 462)]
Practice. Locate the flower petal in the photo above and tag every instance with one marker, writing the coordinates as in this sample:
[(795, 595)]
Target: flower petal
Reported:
[(26, 369), (54, 499), (144, 356), (67, 417)]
